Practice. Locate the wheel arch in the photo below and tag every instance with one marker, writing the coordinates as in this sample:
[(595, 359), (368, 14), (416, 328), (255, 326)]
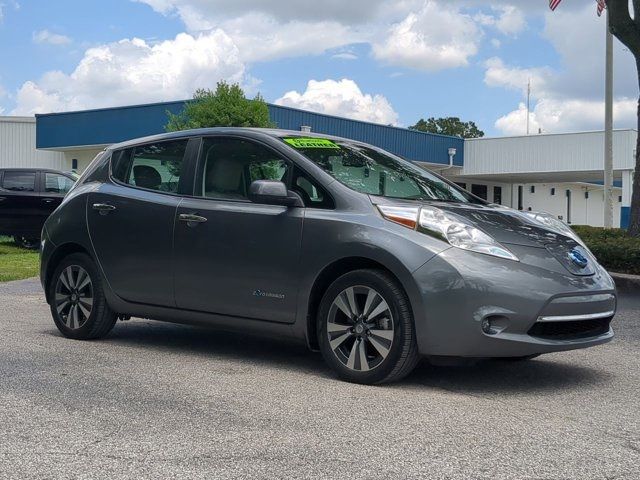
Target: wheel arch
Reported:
[(335, 270), (61, 252)]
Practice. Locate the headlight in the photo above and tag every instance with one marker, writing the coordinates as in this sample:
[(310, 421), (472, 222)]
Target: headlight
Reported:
[(450, 228)]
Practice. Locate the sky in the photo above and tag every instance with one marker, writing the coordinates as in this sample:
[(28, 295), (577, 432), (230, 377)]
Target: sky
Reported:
[(384, 61)]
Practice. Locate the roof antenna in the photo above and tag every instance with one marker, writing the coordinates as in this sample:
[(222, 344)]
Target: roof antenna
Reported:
[(528, 103)]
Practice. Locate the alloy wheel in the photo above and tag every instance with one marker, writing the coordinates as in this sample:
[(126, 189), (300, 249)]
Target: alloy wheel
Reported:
[(360, 328), (74, 296)]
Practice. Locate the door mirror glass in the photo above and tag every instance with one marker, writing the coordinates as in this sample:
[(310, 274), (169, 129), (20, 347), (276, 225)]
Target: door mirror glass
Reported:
[(272, 192)]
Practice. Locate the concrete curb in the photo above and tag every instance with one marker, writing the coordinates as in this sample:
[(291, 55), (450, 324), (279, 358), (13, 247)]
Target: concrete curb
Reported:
[(626, 283)]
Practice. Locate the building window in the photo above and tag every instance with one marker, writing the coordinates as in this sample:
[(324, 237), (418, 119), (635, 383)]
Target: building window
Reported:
[(533, 189), (497, 195), (586, 194), (479, 191), (520, 202), (462, 185), (620, 199), (74, 164), (553, 191)]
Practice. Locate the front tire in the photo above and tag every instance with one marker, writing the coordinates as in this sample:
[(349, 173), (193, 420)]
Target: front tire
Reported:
[(365, 328), (78, 305), (27, 242)]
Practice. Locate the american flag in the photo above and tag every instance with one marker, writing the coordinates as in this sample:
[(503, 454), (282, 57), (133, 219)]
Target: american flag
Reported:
[(602, 4)]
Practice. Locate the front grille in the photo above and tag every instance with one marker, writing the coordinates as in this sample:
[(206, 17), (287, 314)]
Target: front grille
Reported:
[(570, 330)]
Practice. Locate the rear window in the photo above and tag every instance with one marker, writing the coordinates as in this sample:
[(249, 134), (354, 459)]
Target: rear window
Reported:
[(155, 166), (19, 181)]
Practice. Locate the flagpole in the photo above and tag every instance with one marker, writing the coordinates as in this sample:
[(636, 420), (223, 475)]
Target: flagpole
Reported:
[(608, 130)]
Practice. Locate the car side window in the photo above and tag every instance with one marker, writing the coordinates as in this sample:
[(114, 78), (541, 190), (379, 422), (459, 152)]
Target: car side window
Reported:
[(55, 183), (229, 165), (155, 166), (313, 195), (16, 181)]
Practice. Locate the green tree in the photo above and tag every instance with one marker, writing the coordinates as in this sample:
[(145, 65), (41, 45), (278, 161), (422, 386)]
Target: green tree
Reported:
[(448, 126), (227, 106)]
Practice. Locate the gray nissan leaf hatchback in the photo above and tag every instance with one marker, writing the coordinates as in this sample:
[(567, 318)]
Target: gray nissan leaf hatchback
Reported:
[(360, 254)]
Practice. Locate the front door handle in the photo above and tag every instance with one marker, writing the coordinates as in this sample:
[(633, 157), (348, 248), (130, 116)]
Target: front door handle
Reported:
[(191, 218), (103, 208), (47, 200)]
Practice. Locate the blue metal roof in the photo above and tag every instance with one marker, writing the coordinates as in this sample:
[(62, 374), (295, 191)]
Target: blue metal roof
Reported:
[(114, 125)]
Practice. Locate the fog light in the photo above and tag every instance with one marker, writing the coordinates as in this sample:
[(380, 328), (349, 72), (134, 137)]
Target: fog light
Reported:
[(486, 326)]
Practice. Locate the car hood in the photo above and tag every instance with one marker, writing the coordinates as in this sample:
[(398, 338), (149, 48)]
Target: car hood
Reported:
[(511, 227)]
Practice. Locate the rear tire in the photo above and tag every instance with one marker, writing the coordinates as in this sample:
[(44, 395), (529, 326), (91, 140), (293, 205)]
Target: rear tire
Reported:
[(78, 304), (365, 328), (26, 242)]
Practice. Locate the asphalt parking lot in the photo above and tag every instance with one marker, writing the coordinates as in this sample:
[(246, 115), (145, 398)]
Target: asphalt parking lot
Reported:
[(157, 400)]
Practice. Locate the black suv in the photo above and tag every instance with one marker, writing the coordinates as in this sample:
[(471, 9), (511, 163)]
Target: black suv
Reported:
[(27, 197)]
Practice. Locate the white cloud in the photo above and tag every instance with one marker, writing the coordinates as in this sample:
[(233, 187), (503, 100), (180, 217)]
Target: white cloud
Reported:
[(497, 74), (434, 38), (9, 3), (429, 35), (553, 115), (569, 97), (132, 71), (511, 20), (508, 19), (260, 37), (342, 98), (345, 56), (45, 36), (3, 94), (199, 13)]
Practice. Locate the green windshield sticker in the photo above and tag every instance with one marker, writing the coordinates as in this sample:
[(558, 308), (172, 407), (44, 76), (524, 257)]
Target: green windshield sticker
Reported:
[(306, 142)]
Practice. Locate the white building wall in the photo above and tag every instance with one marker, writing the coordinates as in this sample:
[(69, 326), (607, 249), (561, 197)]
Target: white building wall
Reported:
[(83, 157), (572, 152), (584, 211), (18, 146)]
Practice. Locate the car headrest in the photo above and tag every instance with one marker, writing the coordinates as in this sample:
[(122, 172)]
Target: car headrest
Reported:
[(146, 177)]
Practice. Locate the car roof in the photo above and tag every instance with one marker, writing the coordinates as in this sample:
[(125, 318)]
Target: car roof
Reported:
[(272, 132)]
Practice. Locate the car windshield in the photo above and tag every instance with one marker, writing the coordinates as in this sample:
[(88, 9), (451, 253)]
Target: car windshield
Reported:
[(372, 171)]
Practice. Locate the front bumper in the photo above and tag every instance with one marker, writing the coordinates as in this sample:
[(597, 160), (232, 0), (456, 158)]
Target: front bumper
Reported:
[(528, 307)]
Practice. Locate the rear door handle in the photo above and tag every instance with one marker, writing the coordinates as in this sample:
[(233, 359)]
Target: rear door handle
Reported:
[(191, 218), (103, 208), (47, 200)]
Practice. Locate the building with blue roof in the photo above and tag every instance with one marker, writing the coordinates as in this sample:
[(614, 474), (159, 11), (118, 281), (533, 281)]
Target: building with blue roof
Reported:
[(561, 174)]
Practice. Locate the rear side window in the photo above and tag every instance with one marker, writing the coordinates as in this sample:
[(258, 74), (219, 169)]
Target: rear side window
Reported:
[(156, 166), (55, 183), (19, 181)]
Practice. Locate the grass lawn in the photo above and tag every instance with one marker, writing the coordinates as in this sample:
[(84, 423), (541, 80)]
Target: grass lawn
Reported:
[(17, 263)]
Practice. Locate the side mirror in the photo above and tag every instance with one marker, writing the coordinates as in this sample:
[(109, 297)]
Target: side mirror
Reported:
[(272, 192)]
